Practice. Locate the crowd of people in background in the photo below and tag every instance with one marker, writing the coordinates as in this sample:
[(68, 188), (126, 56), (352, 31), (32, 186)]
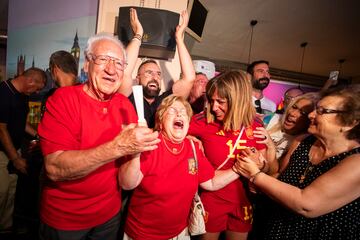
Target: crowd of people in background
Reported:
[(261, 173)]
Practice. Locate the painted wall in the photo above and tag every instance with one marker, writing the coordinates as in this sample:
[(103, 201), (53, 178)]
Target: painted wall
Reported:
[(38, 28), (276, 89)]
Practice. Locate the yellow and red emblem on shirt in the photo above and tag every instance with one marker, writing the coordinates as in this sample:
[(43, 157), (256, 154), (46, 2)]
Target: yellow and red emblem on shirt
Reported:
[(192, 166), (249, 133), (221, 133)]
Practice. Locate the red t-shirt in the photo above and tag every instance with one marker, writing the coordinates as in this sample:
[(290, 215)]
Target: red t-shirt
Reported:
[(218, 145), (160, 205), (75, 121)]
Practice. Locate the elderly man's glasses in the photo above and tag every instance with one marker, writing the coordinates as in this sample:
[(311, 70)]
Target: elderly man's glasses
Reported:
[(320, 110), (104, 60)]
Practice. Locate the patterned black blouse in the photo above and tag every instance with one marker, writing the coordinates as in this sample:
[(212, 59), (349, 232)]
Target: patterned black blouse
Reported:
[(343, 223)]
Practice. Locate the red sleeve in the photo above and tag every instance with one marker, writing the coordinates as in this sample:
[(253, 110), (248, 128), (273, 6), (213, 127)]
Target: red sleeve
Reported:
[(59, 128), (196, 124), (146, 161), (206, 170)]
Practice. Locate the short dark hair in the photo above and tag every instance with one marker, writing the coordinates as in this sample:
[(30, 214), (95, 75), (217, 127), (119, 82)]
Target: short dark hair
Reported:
[(63, 60), (250, 68), (146, 62), (351, 107), (34, 70)]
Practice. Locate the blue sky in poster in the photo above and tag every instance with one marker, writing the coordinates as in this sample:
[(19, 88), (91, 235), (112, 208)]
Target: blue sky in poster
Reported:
[(40, 41)]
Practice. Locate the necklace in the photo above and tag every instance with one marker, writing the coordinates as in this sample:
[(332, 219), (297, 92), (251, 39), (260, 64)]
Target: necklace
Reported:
[(308, 169), (174, 150)]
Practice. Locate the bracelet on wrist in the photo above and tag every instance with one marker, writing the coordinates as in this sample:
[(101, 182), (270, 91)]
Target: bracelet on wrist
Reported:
[(253, 177), (137, 37)]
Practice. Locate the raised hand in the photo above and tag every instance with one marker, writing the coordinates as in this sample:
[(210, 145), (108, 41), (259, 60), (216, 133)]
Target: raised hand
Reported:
[(180, 29), (135, 23)]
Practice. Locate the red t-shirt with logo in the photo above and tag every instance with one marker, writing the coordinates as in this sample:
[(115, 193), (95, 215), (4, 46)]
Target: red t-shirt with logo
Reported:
[(218, 144), (160, 205), (75, 121)]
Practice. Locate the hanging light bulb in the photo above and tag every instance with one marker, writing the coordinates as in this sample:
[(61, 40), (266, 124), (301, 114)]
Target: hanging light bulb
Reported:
[(252, 24), (303, 46)]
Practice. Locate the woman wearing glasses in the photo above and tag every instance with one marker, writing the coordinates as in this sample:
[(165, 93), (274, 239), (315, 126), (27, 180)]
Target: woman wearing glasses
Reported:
[(317, 195), (167, 178), (278, 136)]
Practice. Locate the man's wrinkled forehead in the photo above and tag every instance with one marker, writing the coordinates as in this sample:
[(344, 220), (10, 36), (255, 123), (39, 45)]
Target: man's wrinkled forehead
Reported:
[(149, 66), (201, 77), (261, 67), (107, 47)]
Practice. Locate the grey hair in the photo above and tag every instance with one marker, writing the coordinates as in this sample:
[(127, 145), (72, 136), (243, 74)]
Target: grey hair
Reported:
[(103, 36)]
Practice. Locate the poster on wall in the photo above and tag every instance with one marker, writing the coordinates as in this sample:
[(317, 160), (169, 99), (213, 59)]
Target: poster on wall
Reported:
[(39, 28)]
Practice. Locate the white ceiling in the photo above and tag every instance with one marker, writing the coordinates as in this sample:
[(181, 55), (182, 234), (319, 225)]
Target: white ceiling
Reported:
[(331, 28)]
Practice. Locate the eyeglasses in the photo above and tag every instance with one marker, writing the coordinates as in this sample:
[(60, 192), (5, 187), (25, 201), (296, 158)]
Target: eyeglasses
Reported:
[(321, 111), (149, 74), (258, 106), (104, 60), (174, 111), (302, 112)]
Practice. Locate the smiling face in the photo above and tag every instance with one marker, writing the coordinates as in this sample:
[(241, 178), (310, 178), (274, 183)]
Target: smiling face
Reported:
[(296, 118), (219, 106), (149, 76), (105, 78), (175, 122), (326, 124), (261, 76)]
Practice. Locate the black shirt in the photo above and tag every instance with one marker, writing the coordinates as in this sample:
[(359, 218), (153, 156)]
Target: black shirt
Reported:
[(14, 107), (150, 109)]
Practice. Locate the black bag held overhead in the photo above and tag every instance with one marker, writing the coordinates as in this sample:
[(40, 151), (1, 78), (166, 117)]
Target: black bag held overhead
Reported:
[(159, 31)]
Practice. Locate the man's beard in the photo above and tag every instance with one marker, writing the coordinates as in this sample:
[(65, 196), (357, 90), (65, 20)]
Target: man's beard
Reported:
[(260, 86), (149, 92)]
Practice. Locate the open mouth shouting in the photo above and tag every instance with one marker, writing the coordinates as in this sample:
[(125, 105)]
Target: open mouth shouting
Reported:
[(178, 124), (153, 85)]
